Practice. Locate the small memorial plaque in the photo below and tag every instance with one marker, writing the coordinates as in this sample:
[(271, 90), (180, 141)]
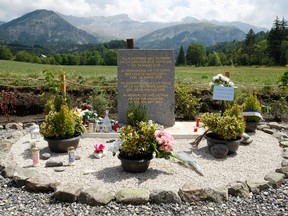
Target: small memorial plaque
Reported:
[(223, 93), (147, 76)]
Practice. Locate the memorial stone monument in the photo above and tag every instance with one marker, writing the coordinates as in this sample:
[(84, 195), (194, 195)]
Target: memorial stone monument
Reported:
[(147, 77)]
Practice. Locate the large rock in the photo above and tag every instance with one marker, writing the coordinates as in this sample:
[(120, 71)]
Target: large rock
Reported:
[(263, 126), (238, 188), (22, 175), (10, 170), (275, 179), (191, 193), (41, 183), (95, 196), (284, 144), (5, 160), (14, 126), (160, 196), (268, 131), (217, 194), (283, 170), (134, 196), (68, 192), (275, 125), (281, 136), (257, 186)]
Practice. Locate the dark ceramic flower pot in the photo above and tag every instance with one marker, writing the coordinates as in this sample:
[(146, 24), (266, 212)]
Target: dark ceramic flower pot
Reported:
[(251, 126), (135, 166), (61, 145), (231, 144)]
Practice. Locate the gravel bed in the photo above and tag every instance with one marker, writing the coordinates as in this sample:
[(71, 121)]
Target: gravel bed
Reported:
[(17, 201), (253, 162)]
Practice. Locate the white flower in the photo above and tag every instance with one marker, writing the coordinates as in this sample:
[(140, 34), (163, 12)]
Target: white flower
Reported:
[(217, 77), (225, 79), (211, 84), (231, 84)]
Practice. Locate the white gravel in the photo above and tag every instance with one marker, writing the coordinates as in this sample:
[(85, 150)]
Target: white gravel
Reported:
[(252, 161)]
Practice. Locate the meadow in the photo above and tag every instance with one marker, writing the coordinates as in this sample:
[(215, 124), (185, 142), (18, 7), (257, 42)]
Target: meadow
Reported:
[(27, 74)]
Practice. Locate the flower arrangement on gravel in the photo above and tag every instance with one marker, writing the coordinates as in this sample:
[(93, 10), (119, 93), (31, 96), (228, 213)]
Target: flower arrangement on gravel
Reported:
[(221, 80), (145, 140)]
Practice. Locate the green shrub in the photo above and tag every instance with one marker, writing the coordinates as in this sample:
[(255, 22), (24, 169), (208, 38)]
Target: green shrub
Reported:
[(187, 106), (283, 80), (137, 141), (100, 102), (279, 109), (227, 127), (59, 125), (137, 112), (252, 103)]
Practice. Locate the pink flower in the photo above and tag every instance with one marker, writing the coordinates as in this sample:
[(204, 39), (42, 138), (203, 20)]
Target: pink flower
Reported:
[(165, 140), (99, 147)]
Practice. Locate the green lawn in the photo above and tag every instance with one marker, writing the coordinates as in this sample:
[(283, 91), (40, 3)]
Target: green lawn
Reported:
[(23, 72)]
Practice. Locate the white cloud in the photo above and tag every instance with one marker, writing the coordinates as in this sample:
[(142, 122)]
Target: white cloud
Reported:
[(257, 12)]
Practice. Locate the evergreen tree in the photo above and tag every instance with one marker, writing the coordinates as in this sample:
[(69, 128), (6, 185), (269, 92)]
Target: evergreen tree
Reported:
[(181, 60), (277, 34), (248, 46)]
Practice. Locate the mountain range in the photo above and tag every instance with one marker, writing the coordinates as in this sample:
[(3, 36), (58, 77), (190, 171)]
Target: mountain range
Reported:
[(45, 26), (122, 27)]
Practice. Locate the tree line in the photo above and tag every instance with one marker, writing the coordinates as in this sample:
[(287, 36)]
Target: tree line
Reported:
[(263, 48), (89, 54)]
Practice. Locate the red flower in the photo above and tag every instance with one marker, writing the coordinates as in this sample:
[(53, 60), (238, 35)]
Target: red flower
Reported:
[(99, 147)]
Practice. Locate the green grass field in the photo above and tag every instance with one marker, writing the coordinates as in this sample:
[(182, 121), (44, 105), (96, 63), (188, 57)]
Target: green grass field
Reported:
[(27, 74)]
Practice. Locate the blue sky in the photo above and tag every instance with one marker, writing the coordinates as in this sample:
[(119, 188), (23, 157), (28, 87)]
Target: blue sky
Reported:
[(256, 12)]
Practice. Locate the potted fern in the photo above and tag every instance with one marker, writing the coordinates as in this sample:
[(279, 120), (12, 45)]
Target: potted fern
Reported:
[(251, 113)]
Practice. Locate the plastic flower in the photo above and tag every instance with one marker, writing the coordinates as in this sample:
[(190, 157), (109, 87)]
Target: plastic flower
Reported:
[(99, 147)]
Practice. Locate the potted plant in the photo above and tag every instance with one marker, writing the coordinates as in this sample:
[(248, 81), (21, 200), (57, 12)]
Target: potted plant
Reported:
[(140, 141), (63, 126), (225, 129), (251, 113)]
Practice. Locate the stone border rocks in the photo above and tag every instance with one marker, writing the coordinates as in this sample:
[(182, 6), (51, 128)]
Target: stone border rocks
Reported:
[(97, 195)]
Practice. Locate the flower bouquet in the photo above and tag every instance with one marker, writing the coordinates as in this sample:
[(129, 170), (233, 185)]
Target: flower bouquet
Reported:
[(145, 141)]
